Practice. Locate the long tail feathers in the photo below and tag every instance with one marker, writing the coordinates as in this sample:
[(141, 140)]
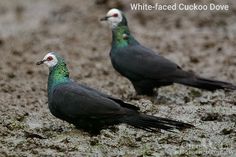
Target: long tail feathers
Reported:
[(207, 84), (152, 124)]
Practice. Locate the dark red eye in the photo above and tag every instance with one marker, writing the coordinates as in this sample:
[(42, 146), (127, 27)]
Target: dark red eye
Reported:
[(115, 15), (49, 58)]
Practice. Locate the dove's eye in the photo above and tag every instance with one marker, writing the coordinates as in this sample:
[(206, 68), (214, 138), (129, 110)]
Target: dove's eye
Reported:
[(115, 15), (49, 58)]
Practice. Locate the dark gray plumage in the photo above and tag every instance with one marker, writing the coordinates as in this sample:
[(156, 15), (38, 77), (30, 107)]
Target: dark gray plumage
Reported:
[(146, 69), (91, 110)]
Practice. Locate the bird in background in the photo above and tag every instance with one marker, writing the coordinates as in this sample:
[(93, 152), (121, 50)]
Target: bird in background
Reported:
[(91, 110), (146, 69)]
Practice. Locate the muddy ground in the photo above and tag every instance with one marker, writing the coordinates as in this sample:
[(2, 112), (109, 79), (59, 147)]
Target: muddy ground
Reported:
[(202, 41)]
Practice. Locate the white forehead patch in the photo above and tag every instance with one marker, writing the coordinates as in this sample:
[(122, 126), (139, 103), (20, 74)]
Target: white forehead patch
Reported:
[(50, 60), (114, 20)]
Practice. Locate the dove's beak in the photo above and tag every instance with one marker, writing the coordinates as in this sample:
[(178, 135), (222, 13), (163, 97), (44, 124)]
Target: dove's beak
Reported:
[(40, 62), (104, 18)]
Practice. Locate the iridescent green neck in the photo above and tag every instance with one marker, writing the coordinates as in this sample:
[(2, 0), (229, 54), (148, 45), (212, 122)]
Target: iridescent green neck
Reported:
[(121, 37), (57, 75)]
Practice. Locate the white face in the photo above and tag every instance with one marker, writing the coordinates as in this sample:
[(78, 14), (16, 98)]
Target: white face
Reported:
[(50, 60), (114, 17)]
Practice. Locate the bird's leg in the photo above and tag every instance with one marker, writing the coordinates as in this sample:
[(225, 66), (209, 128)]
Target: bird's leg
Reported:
[(155, 93), (142, 88)]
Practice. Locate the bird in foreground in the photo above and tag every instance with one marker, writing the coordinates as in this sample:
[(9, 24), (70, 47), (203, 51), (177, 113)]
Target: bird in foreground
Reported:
[(145, 68), (91, 110)]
